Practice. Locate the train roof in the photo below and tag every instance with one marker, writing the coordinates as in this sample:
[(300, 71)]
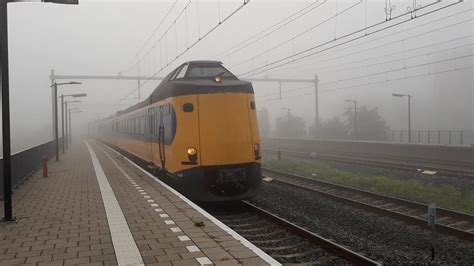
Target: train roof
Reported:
[(184, 87), (204, 62)]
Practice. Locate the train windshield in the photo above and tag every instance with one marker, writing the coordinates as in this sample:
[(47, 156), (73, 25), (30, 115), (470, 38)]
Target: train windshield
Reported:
[(209, 71)]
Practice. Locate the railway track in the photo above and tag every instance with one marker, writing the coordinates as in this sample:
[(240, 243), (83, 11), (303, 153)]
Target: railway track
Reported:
[(450, 171), (449, 222), (285, 242)]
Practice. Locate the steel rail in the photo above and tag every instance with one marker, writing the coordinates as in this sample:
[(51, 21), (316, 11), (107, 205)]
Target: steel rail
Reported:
[(318, 186), (313, 238), (386, 163)]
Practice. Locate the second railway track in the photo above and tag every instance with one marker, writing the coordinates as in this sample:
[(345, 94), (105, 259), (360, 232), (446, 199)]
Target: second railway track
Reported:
[(448, 222), (284, 241), (465, 172)]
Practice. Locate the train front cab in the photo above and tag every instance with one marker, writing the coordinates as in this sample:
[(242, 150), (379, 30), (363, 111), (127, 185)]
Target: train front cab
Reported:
[(218, 145)]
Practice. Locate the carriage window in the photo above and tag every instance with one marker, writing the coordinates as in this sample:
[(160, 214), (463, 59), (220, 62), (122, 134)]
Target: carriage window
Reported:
[(152, 125), (135, 126)]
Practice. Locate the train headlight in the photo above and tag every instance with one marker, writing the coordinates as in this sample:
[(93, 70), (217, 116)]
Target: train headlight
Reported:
[(217, 79), (192, 154), (192, 151)]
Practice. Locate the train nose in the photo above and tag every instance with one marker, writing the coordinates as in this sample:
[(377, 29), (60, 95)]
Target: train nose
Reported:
[(225, 129)]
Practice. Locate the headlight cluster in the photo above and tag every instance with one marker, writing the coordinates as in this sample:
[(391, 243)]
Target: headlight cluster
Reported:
[(192, 154)]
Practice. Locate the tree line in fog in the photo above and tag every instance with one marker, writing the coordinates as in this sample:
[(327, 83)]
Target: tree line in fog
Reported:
[(367, 125)]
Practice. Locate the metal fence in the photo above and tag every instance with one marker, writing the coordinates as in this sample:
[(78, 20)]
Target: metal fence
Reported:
[(446, 137), (25, 162)]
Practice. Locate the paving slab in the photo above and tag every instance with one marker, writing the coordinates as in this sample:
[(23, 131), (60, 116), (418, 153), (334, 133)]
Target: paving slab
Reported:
[(98, 208), (61, 219)]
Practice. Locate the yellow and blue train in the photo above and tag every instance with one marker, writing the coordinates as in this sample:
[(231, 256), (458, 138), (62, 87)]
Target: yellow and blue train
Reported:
[(199, 126)]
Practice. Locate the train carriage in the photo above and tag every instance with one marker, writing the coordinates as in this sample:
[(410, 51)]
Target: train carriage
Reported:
[(200, 127)]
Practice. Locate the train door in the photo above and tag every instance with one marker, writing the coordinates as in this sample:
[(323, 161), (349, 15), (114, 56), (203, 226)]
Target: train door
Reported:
[(150, 132), (161, 138)]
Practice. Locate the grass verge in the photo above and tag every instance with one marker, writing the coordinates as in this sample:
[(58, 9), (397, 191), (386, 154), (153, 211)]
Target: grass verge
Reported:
[(444, 196)]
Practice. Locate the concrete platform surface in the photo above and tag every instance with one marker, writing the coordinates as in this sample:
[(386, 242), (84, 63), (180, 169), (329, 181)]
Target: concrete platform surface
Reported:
[(98, 208)]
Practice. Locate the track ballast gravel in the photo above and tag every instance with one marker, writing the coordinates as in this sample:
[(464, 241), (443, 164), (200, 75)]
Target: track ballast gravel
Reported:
[(381, 238)]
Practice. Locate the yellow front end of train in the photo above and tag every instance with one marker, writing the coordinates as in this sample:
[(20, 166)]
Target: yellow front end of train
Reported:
[(201, 132)]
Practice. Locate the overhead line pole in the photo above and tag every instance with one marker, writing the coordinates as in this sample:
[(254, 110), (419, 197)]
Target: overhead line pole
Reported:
[(316, 107)]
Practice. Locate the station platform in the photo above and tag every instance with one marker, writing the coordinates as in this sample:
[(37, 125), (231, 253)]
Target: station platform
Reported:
[(98, 208)]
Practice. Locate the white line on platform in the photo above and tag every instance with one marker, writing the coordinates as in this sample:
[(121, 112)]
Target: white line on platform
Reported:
[(183, 238), (126, 250), (224, 227), (204, 261), (192, 248), (175, 229)]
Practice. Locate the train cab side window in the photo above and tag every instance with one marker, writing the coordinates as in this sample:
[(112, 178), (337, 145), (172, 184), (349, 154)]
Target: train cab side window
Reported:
[(182, 72), (175, 73)]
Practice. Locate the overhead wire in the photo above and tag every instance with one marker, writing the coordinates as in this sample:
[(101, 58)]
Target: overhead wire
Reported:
[(153, 33), (165, 34), (386, 71), (373, 83), (256, 70), (245, 2), (390, 61), (298, 35), (251, 38), (417, 35), (397, 79), (321, 69), (396, 69)]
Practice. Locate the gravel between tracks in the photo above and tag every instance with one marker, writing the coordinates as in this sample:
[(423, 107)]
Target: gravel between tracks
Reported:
[(378, 237)]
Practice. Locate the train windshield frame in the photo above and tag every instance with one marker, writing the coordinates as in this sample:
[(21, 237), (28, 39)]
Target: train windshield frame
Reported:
[(208, 72)]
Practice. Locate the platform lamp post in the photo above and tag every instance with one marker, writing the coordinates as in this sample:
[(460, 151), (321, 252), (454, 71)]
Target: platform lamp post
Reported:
[(409, 112), (55, 103), (72, 111), (7, 184), (65, 115), (356, 128)]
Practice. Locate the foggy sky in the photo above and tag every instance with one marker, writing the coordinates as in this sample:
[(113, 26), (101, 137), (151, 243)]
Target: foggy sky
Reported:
[(103, 38)]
